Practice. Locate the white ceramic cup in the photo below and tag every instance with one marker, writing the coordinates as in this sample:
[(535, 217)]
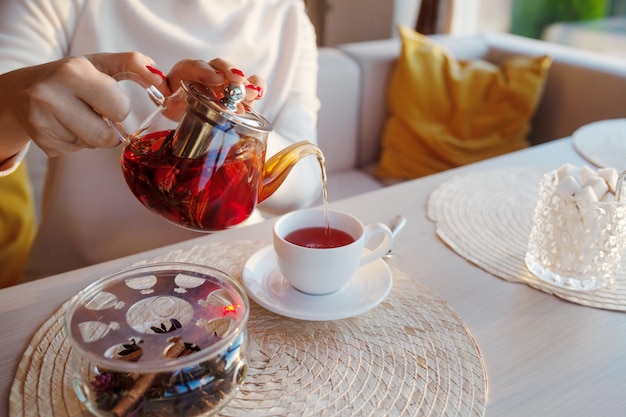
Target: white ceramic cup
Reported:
[(320, 271)]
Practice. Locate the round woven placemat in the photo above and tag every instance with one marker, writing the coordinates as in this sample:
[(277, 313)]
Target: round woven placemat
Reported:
[(410, 356), (486, 217), (602, 143)]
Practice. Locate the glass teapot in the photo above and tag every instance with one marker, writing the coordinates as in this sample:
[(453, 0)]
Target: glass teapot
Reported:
[(198, 160)]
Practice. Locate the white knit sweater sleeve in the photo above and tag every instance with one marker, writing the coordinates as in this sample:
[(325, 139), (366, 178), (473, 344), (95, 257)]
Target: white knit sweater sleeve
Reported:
[(35, 31)]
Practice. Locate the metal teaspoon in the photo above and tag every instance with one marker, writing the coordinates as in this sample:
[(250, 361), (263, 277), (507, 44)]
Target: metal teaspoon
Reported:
[(396, 227)]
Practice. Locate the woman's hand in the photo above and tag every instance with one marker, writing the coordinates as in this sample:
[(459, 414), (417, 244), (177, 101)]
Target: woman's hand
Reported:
[(215, 73), (59, 105)]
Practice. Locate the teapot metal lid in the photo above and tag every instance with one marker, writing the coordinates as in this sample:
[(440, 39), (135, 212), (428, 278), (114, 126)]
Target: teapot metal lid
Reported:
[(227, 104), (210, 111)]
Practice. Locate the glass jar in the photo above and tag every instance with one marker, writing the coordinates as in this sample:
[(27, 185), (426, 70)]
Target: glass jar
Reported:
[(165, 339)]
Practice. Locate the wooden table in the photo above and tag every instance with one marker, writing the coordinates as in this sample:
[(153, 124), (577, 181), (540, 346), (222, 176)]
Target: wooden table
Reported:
[(544, 356)]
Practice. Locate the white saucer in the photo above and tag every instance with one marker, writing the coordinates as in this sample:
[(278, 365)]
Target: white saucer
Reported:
[(367, 288)]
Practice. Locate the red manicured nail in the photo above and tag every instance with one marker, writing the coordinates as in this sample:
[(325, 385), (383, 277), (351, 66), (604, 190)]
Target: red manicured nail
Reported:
[(156, 71), (259, 90), (237, 71)]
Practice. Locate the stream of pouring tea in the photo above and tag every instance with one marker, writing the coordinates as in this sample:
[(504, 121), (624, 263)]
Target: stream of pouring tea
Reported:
[(322, 162)]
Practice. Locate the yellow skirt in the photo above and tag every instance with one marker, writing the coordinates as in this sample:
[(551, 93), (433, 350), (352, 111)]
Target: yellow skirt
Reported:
[(17, 224)]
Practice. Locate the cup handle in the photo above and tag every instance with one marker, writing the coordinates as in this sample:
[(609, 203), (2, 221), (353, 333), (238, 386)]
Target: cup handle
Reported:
[(370, 231), (155, 95)]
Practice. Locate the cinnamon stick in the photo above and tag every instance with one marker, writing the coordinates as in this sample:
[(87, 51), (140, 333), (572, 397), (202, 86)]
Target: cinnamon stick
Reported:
[(143, 383)]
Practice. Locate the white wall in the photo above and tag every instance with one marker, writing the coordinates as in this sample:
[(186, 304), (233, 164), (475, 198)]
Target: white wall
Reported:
[(468, 16), (405, 12), (342, 21)]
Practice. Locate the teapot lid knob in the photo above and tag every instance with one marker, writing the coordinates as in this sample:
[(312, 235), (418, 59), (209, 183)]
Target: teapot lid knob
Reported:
[(210, 111), (233, 95)]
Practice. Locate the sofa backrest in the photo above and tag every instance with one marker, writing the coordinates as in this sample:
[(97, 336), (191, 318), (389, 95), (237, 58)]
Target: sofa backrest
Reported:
[(375, 60), (582, 86), (339, 85)]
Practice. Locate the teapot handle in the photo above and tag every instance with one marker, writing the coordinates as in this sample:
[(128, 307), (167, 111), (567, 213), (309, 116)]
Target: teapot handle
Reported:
[(155, 95)]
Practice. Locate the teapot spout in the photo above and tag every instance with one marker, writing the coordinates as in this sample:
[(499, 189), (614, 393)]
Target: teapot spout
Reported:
[(278, 166)]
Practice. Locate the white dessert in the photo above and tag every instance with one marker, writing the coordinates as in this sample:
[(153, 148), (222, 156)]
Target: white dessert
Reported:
[(586, 184)]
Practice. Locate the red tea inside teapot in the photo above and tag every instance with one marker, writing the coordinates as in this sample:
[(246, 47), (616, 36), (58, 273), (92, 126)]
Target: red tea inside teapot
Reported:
[(199, 160)]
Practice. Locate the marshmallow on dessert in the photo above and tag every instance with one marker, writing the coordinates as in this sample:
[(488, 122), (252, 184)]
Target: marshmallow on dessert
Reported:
[(597, 184), (568, 185), (567, 170), (586, 184), (609, 175), (586, 194)]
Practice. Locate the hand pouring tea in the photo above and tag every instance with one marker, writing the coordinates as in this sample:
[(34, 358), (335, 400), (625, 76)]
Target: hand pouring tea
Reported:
[(198, 160)]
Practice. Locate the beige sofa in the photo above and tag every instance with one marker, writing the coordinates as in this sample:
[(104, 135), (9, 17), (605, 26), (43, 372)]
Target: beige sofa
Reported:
[(582, 87)]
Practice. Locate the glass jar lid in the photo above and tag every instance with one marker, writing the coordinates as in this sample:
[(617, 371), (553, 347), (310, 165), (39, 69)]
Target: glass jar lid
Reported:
[(157, 317)]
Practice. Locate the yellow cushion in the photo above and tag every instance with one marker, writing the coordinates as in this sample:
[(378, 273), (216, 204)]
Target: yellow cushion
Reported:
[(17, 224), (446, 113)]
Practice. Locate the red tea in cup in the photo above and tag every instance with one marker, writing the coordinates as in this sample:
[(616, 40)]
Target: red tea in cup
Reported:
[(319, 237), (318, 272)]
